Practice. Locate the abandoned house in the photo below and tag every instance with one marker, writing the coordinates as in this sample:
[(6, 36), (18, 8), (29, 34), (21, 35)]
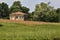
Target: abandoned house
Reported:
[(18, 16)]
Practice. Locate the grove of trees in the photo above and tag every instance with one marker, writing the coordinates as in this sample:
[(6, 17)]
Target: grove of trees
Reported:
[(43, 11)]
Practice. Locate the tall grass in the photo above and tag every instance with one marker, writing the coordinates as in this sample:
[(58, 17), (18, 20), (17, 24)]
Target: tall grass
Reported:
[(19, 31)]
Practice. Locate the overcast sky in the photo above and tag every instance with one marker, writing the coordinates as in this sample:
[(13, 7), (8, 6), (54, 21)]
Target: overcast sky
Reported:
[(31, 3)]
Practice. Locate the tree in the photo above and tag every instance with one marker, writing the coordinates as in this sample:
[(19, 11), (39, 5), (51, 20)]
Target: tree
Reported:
[(41, 11), (4, 10), (30, 17), (58, 12), (25, 9), (44, 12), (0, 10), (53, 16), (16, 7)]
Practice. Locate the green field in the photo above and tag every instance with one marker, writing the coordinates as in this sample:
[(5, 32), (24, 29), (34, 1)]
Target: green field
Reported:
[(19, 31)]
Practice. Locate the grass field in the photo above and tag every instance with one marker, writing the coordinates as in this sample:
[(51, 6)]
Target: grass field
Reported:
[(21, 31)]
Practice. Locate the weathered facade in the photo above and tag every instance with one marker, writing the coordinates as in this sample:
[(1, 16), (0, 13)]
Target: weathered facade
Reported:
[(18, 16)]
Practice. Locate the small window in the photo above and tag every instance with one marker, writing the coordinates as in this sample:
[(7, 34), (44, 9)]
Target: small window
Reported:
[(16, 17), (21, 16)]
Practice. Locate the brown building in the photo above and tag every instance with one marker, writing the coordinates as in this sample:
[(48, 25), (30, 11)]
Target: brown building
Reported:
[(18, 16)]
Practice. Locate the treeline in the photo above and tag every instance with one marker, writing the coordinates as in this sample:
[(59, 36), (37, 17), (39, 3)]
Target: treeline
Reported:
[(43, 11), (17, 6)]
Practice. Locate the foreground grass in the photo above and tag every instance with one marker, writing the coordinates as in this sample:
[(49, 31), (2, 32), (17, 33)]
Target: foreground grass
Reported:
[(19, 31)]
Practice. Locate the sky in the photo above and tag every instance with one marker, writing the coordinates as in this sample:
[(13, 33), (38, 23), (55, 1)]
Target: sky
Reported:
[(31, 3)]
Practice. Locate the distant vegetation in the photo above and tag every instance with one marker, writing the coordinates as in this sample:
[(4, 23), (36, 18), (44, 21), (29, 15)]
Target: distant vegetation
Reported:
[(43, 11)]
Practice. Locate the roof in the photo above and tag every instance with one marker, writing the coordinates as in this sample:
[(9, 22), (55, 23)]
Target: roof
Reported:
[(18, 13)]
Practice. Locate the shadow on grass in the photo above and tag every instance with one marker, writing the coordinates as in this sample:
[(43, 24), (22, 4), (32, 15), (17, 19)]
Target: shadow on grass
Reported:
[(56, 39), (1, 25)]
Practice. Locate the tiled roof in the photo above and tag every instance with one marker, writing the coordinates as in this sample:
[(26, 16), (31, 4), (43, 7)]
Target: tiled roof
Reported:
[(18, 13)]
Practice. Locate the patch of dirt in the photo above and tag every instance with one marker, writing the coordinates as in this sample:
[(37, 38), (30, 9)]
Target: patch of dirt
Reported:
[(26, 22)]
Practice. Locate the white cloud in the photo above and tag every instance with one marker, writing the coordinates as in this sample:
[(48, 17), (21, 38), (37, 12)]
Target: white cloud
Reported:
[(0, 1), (55, 3)]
